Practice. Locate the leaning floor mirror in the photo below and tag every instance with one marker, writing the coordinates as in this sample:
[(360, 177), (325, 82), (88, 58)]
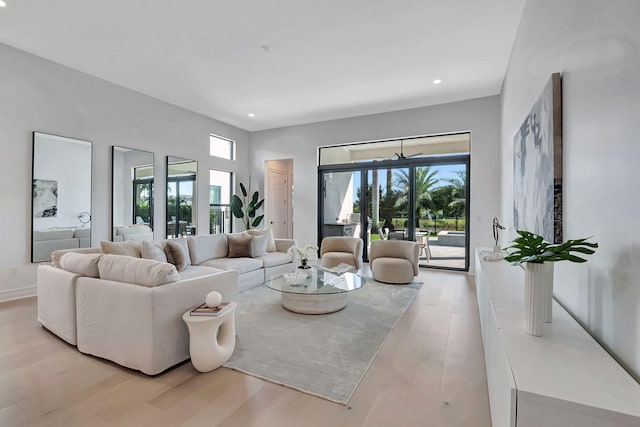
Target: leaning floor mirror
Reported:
[(181, 197), (132, 174), (61, 199)]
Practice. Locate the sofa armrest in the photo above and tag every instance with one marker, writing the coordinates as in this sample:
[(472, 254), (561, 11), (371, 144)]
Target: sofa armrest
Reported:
[(57, 301), (283, 245)]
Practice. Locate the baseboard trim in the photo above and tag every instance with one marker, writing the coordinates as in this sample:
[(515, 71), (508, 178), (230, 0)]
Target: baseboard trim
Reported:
[(18, 293)]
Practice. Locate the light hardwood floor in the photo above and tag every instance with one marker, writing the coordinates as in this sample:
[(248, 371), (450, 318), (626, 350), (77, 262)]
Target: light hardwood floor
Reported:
[(429, 372)]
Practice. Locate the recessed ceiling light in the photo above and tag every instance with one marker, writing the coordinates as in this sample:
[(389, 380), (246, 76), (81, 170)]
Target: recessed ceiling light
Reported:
[(264, 48), (437, 81), (2, 4), (251, 115)]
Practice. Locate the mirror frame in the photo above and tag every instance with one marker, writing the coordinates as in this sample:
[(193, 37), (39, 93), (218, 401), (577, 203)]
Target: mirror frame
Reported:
[(82, 216), (113, 165), (194, 214)]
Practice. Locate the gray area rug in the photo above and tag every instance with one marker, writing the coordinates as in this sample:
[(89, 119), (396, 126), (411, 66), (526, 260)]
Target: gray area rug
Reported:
[(324, 355)]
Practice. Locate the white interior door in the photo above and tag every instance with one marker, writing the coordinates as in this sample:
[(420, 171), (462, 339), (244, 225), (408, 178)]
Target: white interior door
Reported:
[(278, 201)]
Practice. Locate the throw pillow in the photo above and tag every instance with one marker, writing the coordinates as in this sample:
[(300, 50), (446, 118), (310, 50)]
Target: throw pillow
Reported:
[(128, 248), (182, 241), (153, 250), (271, 244), (84, 264), (239, 246), (144, 272), (259, 245), (176, 254)]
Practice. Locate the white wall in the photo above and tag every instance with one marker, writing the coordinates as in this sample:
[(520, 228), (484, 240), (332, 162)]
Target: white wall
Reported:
[(480, 116), (39, 95), (596, 45)]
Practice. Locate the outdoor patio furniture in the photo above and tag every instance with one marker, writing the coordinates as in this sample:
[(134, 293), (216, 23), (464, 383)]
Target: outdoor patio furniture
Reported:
[(422, 239)]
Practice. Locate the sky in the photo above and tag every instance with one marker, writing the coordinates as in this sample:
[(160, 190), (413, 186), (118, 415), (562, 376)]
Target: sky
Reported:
[(444, 172)]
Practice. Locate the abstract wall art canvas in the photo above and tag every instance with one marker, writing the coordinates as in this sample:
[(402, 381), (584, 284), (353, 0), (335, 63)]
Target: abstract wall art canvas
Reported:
[(537, 166), (45, 198)]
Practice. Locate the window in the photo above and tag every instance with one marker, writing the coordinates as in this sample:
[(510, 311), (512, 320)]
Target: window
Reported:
[(220, 188), (221, 147)]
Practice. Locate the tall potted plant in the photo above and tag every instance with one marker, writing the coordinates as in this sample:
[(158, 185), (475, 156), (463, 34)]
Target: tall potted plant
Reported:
[(538, 257), (246, 208)]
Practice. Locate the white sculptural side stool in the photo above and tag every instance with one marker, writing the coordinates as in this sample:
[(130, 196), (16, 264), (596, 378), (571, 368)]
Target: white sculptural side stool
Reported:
[(212, 339)]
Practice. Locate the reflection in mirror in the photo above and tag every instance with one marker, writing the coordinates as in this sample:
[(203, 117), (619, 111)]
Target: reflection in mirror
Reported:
[(132, 197), (61, 199), (181, 197)]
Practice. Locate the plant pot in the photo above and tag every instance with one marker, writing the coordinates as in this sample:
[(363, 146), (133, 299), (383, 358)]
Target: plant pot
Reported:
[(547, 280), (536, 289)]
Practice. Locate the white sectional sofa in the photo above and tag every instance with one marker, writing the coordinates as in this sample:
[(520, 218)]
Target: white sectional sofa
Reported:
[(47, 241), (110, 307), (138, 232)]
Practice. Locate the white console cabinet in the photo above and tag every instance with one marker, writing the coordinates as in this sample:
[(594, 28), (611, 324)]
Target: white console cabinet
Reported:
[(564, 378)]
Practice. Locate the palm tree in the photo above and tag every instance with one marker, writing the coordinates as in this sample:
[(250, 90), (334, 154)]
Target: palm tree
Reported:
[(425, 180), (459, 193)]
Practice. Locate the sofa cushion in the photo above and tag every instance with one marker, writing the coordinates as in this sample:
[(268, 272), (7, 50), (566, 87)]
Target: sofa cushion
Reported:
[(273, 259), (82, 233), (259, 245), (144, 272), (84, 264), (239, 245), (57, 255), (197, 271), (153, 250), (271, 245), (128, 248), (52, 235), (134, 229), (241, 265), (202, 248), (176, 254)]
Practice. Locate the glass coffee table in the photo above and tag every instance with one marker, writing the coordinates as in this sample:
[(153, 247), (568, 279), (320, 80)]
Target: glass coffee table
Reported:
[(320, 293)]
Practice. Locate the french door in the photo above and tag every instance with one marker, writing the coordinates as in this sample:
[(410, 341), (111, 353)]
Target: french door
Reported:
[(423, 200)]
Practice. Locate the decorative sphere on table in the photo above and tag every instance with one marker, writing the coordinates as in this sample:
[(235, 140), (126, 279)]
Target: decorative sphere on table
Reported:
[(213, 299)]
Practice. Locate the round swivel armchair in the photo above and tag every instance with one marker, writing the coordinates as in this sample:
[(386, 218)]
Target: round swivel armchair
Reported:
[(338, 250), (394, 261)]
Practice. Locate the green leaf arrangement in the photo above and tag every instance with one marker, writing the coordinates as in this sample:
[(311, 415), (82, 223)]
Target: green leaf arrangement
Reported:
[(246, 207), (531, 247)]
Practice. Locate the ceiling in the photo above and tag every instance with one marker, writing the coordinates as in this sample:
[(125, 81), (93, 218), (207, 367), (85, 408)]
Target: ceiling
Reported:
[(327, 59)]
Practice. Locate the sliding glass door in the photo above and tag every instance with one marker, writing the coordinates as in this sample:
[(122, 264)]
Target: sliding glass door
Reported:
[(441, 214), (413, 189), (423, 200)]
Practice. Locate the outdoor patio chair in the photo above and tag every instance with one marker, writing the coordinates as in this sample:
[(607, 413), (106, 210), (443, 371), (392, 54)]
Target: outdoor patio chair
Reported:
[(423, 243)]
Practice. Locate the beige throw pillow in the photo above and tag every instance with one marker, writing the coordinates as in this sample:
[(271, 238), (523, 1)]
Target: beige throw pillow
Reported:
[(185, 245), (144, 272), (239, 246), (176, 254), (128, 248), (153, 250), (271, 244), (84, 264)]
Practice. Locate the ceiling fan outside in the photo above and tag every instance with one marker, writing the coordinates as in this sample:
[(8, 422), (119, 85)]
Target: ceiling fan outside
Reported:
[(401, 156)]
